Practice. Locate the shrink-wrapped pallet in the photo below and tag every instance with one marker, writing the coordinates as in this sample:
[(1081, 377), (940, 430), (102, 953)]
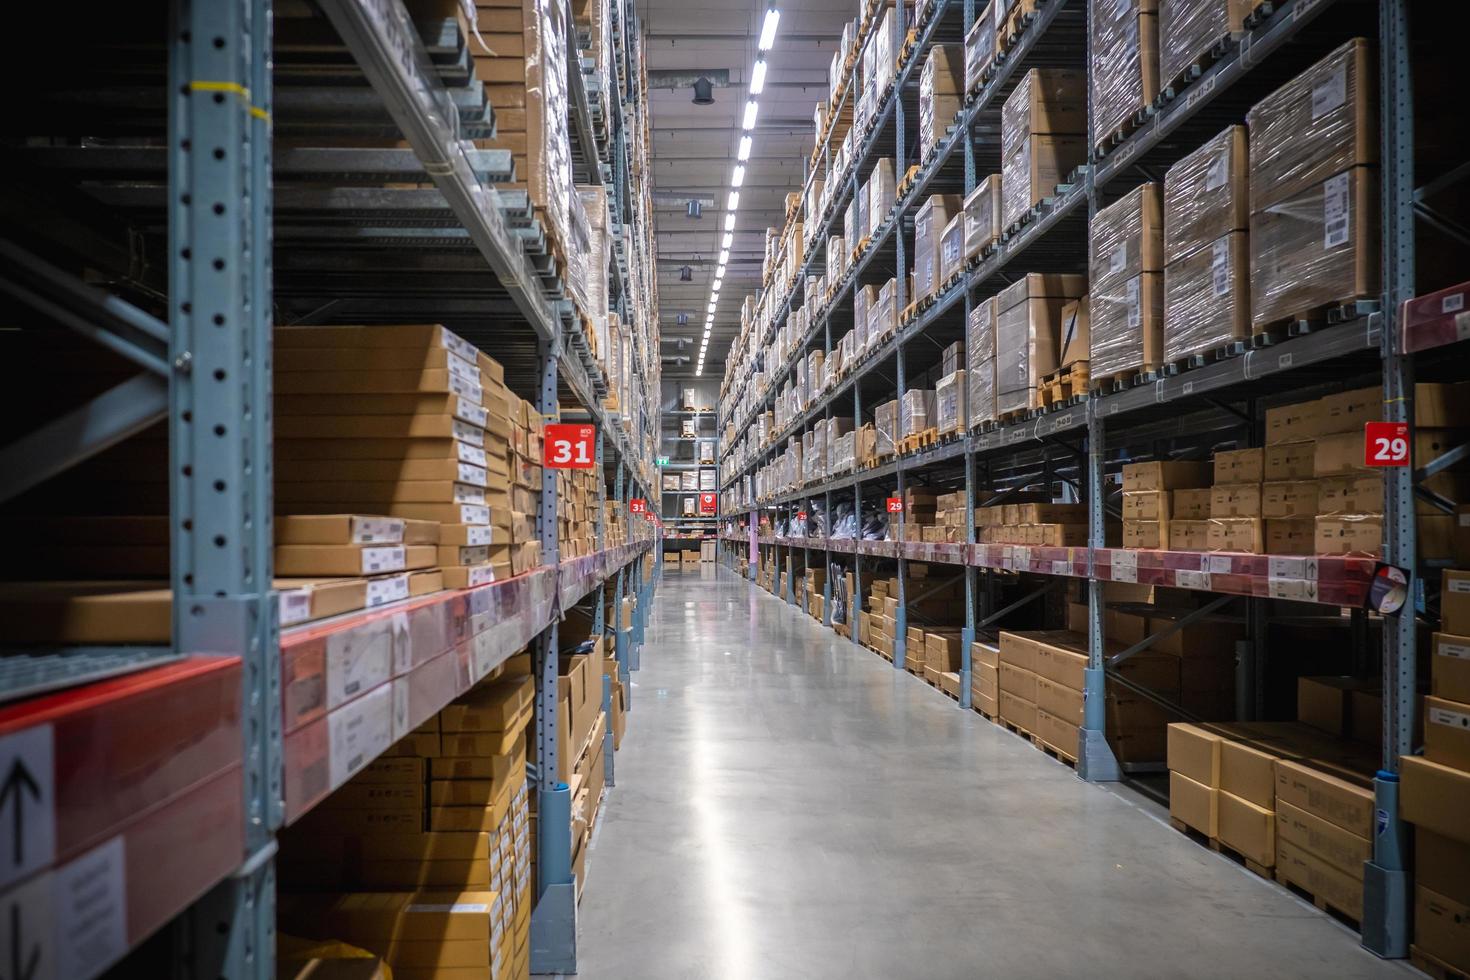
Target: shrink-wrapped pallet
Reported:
[(929, 226), (979, 49), (1026, 336), (1125, 271), (1043, 137), (885, 427), (1189, 29), (941, 93), (980, 351), (982, 217), (1206, 194), (881, 194), (1124, 65), (952, 249), (949, 403), (916, 411)]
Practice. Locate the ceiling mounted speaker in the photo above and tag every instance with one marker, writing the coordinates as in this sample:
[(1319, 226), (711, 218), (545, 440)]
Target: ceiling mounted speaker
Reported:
[(704, 91), (694, 209), (686, 274)]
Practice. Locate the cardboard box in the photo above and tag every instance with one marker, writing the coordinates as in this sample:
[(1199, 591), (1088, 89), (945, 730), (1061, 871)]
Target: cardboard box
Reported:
[(1146, 505), (1435, 796), (1243, 534), (1235, 500), (1189, 535), (1339, 848), (1248, 828), (1442, 864), (1194, 752), (1289, 499), (1206, 194), (1190, 504), (338, 529), (1442, 927), (1322, 702), (1348, 534), (1447, 732), (1018, 681), (1248, 772), (1350, 494), (1016, 710), (1290, 461), (1331, 797), (1193, 804), (1314, 875), (1165, 475), (1454, 602), (1449, 667), (1239, 466), (1145, 534), (1291, 536), (1031, 174)]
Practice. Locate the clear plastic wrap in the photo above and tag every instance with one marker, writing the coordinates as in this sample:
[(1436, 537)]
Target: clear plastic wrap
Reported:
[(881, 194), (982, 216), (979, 48), (1026, 336), (1031, 175), (929, 225), (1188, 29), (883, 315), (1320, 123), (885, 428), (1125, 62), (980, 350), (1207, 298), (1206, 195), (917, 411), (883, 47), (858, 208), (836, 258), (952, 249), (1046, 101), (1126, 323), (940, 94), (1127, 237), (1316, 248), (949, 403), (594, 268), (862, 298)]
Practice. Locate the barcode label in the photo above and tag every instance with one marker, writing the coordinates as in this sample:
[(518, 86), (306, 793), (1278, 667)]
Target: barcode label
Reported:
[(1220, 266), (469, 412), (473, 455), (1329, 93), (1186, 579), (1452, 304), (1118, 260), (1336, 211), (376, 560), (1448, 718), (1460, 651), (462, 368), (377, 530), (465, 388), (473, 474), (1218, 172), (388, 589), (295, 606), (465, 432), (1135, 308)]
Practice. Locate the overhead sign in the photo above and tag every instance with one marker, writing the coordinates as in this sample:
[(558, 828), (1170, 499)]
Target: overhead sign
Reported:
[(637, 505), (801, 515), (570, 446), (1385, 444), (895, 505), (663, 461), (708, 503)]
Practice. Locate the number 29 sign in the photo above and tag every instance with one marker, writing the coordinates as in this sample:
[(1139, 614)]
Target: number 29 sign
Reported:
[(570, 446), (1385, 444)]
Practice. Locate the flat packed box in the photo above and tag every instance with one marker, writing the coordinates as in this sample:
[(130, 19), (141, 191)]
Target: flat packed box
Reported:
[(1207, 298), (1190, 29), (1026, 336), (1189, 535), (1124, 68), (1165, 475), (1031, 175), (1206, 195)]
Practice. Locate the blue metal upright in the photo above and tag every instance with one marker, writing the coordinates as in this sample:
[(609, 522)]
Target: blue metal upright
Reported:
[(1095, 759), (219, 431)]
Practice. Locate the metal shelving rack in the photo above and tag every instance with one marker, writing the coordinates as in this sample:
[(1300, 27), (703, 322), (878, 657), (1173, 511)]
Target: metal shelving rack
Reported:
[(681, 529), (260, 230), (1075, 445)]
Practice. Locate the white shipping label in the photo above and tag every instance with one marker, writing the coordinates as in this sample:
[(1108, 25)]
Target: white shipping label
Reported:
[(1465, 519), (389, 588), (1218, 172), (1118, 260), (473, 455), (1220, 266), (1186, 579), (358, 660), (1125, 566), (295, 606), (390, 559), (357, 733), (464, 432), (468, 411), (90, 912), (1135, 307), (483, 575), (466, 390), (1329, 93), (1336, 211), (455, 343), (1460, 651), (28, 814), (1459, 585), (1452, 303), (377, 530), (1448, 718), (1219, 565), (474, 514), (466, 494), (468, 370), (473, 474)]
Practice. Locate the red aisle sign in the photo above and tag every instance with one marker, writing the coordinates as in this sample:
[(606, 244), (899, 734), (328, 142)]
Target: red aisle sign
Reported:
[(1385, 444), (801, 515), (637, 505), (708, 503), (895, 505), (570, 446)]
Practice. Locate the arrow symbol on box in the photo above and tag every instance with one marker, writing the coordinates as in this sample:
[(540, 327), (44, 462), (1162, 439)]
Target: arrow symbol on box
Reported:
[(17, 784), (19, 970)]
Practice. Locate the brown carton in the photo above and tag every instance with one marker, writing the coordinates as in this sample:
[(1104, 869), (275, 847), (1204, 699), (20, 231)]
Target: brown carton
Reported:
[(1194, 804)]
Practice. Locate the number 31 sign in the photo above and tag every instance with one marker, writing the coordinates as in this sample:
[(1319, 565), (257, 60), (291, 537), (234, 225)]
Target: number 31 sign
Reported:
[(570, 447), (1385, 444)]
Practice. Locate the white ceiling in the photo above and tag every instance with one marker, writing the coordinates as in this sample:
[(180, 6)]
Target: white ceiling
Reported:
[(694, 147)]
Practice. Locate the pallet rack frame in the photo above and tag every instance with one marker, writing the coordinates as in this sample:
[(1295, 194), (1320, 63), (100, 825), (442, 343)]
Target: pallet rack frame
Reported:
[(1388, 892), (251, 773)]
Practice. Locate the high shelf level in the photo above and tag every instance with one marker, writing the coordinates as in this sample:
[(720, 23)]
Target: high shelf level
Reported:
[(201, 177), (845, 407)]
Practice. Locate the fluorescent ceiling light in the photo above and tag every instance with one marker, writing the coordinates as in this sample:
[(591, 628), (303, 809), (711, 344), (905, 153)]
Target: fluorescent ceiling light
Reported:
[(728, 240), (758, 77), (724, 256), (734, 202), (743, 153), (717, 284), (706, 333), (738, 177), (768, 29), (730, 221), (712, 305), (752, 108)]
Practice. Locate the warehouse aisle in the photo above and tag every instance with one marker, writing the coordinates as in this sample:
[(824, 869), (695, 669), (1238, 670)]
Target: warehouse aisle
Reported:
[(789, 806)]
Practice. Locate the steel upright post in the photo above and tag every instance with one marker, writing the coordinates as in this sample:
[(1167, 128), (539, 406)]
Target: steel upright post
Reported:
[(1095, 759), (1386, 890), (220, 432)]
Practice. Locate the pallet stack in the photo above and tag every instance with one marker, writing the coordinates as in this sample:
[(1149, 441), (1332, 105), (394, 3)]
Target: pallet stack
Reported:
[(1126, 286), (1043, 138)]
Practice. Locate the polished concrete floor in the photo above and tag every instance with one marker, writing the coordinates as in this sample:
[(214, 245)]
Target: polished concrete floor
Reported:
[(790, 806)]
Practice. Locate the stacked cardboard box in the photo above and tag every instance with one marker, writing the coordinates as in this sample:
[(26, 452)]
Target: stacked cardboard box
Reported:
[(1236, 522), (949, 517), (1124, 45), (1206, 273), (985, 677), (941, 94), (980, 369), (1038, 523), (981, 218), (1043, 137), (408, 421), (524, 552), (1314, 188), (920, 507), (1126, 294), (1436, 788), (979, 49), (333, 563), (1157, 496), (576, 492), (929, 225), (1027, 336), (1189, 29)]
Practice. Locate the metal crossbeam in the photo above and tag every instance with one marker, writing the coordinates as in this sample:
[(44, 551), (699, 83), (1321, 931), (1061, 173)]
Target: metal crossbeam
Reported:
[(1174, 627), (1052, 586)]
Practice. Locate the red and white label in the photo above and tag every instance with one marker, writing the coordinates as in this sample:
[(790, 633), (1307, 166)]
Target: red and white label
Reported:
[(637, 505), (708, 503), (570, 447), (895, 505), (1385, 444), (801, 515)]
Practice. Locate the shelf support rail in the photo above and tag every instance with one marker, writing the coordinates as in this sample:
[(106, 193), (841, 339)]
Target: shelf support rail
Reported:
[(1095, 759)]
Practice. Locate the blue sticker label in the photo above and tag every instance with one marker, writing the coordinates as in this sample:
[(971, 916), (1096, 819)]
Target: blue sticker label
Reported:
[(1381, 824)]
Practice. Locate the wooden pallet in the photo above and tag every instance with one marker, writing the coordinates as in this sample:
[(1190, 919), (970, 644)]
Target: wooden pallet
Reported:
[(975, 707), (1014, 729), (1123, 380), (916, 671), (1060, 387), (1180, 83), (1311, 319), (1199, 359), (1220, 847), (1061, 755), (1434, 966), (917, 441), (908, 179), (1321, 904)]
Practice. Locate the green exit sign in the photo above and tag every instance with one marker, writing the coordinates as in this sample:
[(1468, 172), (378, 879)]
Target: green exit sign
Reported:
[(663, 461)]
